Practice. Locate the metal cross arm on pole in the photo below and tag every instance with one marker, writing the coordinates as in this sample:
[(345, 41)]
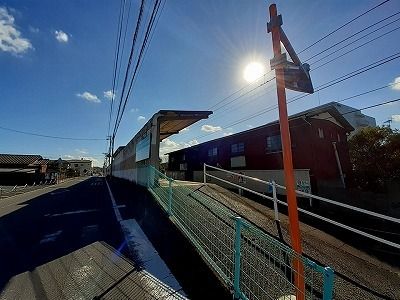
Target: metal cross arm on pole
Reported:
[(296, 75)]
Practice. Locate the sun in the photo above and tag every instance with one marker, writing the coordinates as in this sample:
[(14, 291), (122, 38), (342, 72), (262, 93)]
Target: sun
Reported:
[(253, 71)]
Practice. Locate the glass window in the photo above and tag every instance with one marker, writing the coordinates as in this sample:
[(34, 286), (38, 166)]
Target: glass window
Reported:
[(274, 143), (237, 148), (212, 152)]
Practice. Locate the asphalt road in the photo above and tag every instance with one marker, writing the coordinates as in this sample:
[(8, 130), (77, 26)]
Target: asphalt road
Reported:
[(44, 232), (36, 228)]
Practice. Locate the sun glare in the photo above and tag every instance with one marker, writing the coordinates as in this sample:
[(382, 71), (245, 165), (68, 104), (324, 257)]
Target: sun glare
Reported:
[(253, 71)]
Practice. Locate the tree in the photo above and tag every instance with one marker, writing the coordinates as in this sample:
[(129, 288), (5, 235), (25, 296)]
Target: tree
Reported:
[(375, 156)]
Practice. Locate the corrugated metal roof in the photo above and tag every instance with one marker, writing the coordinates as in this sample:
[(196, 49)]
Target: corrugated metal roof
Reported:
[(20, 159)]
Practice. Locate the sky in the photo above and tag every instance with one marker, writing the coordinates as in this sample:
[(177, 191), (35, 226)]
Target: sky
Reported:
[(56, 67)]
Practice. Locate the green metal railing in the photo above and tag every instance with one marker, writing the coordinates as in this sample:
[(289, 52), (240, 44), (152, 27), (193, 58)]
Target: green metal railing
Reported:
[(250, 262)]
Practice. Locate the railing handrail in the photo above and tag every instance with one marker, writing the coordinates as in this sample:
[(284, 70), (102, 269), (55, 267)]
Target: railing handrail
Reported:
[(308, 195), (347, 227)]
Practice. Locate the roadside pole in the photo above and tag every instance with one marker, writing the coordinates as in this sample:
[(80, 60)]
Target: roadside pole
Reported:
[(275, 23)]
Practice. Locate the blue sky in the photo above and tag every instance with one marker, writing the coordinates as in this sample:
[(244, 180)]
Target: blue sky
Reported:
[(56, 62)]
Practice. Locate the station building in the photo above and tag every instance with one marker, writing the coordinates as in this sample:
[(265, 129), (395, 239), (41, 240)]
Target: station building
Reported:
[(319, 146)]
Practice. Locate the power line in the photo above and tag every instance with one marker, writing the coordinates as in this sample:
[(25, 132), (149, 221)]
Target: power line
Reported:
[(226, 98), (351, 50), (50, 136), (116, 58), (239, 90), (149, 29), (353, 35), (134, 39), (332, 82), (350, 75), (246, 93), (319, 88), (344, 25)]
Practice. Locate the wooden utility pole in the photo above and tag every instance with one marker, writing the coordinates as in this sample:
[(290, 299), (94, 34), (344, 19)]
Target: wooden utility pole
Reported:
[(274, 27)]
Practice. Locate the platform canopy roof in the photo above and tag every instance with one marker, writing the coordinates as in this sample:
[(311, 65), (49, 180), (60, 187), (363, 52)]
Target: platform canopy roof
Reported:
[(173, 121)]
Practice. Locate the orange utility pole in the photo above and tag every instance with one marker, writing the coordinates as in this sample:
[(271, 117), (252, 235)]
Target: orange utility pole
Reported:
[(275, 28)]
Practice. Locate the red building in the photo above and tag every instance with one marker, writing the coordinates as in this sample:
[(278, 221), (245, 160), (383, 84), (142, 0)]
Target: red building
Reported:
[(319, 144)]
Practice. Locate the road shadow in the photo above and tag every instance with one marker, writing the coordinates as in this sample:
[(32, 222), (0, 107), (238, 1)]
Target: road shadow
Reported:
[(53, 225), (196, 278)]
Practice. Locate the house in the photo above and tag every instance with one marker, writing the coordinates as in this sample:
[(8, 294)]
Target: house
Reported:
[(319, 146), (83, 167), (21, 169)]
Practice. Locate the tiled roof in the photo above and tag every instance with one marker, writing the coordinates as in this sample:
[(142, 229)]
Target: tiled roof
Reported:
[(20, 159)]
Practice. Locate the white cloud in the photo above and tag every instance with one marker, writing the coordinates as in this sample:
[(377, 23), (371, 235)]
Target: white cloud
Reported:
[(168, 145), (396, 118), (210, 128), (10, 38), (134, 110), (61, 36), (82, 151), (141, 118), (396, 83), (89, 97), (228, 133), (109, 94), (33, 29), (250, 126)]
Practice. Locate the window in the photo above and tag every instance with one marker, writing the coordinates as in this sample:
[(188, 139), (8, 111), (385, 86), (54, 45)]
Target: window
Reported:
[(237, 148), (183, 167), (212, 152), (320, 133), (274, 143), (76, 165)]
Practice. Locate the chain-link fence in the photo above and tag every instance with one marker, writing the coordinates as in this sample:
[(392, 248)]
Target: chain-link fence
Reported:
[(250, 262)]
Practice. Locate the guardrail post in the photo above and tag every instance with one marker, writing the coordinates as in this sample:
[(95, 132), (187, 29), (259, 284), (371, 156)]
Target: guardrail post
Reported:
[(169, 196), (275, 201), (204, 174), (328, 283), (238, 238)]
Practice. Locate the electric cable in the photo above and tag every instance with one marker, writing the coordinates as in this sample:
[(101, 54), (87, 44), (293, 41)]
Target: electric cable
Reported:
[(50, 136), (342, 26), (352, 35)]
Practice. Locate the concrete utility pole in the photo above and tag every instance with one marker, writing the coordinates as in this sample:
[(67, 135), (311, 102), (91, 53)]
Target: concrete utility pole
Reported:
[(278, 63)]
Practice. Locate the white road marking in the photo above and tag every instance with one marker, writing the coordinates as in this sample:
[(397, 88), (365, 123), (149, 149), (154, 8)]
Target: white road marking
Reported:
[(59, 192), (140, 246), (116, 211), (71, 212), (51, 237)]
